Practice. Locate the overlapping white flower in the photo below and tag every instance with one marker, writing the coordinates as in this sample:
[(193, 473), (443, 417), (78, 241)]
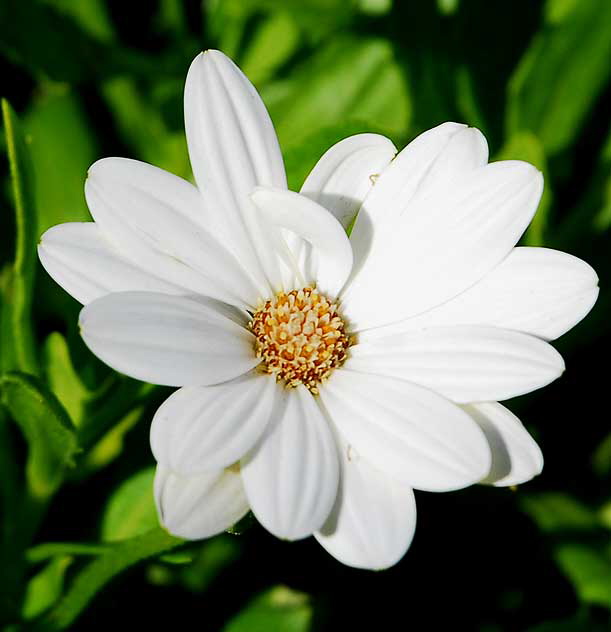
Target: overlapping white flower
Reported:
[(444, 314)]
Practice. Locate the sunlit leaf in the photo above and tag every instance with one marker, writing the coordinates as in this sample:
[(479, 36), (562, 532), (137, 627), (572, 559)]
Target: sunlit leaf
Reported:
[(228, 20), (178, 559), (144, 129), (375, 7), (557, 11), (110, 446), (526, 146), (347, 80), (447, 7), (131, 509), (280, 609), (605, 514), (589, 571), (103, 569), (49, 433), (62, 148), (562, 73), (557, 512), (44, 588), (63, 379), (17, 280), (274, 41)]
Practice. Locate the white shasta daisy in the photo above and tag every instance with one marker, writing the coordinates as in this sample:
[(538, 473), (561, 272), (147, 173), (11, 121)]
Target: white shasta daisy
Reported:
[(322, 377)]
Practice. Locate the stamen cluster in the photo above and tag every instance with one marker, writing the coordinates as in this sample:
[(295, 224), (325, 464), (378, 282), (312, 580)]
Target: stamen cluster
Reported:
[(300, 337)]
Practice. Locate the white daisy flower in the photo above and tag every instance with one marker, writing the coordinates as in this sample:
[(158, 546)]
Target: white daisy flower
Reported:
[(322, 377)]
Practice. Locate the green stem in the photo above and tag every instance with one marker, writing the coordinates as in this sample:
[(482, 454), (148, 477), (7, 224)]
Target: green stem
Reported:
[(17, 326), (100, 571)]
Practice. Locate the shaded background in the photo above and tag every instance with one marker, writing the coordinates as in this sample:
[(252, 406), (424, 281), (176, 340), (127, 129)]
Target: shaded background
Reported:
[(90, 79)]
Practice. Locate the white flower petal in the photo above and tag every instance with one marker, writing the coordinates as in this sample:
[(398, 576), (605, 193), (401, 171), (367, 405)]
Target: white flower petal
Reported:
[(167, 340), (344, 175), (202, 428), (233, 148), (407, 176), (407, 431), (402, 179), (374, 518), (516, 458), (463, 363), (313, 223), (158, 221), (446, 239), (200, 506), (87, 266), (539, 291), (291, 476)]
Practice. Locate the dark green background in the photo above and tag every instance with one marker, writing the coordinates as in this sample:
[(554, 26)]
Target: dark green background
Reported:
[(90, 79)]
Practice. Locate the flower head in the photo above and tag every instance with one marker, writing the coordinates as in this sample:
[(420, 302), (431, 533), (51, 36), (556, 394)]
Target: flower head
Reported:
[(322, 376)]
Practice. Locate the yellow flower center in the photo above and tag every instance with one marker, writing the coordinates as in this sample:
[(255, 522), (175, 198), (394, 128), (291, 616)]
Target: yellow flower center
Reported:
[(300, 337)]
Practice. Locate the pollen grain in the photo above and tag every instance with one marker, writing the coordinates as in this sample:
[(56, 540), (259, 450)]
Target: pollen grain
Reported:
[(300, 337)]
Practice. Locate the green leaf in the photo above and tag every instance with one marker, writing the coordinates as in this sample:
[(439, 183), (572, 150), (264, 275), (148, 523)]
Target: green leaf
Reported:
[(375, 7), (62, 148), (346, 80), (143, 127), (49, 433), (526, 146), (131, 508), (447, 7), (16, 335), (589, 570), (557, 512), (91, 15), (177, 559), (213, 556), (467, 99), (604, 514), (601, 460), (34, 35), (114, 411), (562, 73), (280, 609), (45, 588), (228, 21), (556, 11), (63, 380), (110, 445), (172, 17), (274, 41), (602, 220), (103, 569), (592, 213)]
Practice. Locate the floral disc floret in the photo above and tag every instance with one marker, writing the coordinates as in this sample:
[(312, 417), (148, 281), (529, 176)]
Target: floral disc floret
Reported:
[(300, 337)]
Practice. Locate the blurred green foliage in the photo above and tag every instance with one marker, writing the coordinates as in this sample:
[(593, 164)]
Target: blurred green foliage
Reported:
[(84, 79)]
